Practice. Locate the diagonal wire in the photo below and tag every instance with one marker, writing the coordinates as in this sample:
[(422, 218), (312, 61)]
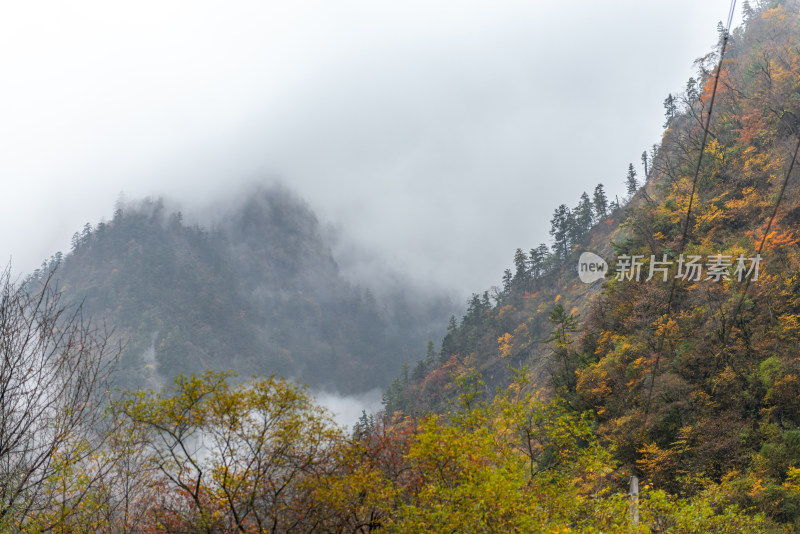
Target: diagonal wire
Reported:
[(685, 231), (738, 307)]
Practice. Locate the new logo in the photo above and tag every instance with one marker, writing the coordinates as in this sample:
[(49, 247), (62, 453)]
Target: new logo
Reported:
[(591, 267)]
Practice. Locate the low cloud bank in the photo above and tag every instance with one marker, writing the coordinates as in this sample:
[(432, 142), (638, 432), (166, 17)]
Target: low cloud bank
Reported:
[(348, 408)]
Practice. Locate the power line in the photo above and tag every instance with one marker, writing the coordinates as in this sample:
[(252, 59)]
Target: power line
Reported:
[(738, 307), (685, 231)]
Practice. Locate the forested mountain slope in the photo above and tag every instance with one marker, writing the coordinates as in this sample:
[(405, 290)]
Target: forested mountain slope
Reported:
[(694, 374), (259, 292)]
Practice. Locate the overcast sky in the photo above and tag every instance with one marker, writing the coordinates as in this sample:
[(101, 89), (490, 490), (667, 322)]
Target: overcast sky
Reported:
[(438, 134)]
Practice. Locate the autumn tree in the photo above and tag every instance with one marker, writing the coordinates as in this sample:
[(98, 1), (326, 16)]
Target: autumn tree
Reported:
[(54, 379), (240, 456)]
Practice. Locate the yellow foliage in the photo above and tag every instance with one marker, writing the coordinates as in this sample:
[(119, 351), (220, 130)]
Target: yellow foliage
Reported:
[(666, 327), (504, 310), (504, 344), (789, 326)]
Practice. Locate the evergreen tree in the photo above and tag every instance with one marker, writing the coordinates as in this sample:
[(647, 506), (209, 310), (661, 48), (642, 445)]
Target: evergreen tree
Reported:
[(508, 276), (692, 92), (486, 304), (520, 280), (538, 256), (747, 11), (574, 231), (671, 109), (75, 242), (449, 346), (544, 253), (419, 372), (644, 164), (86, 235), (583, 215), (365, 426), (722, 31), (431, 352), (631, 183), (600, 202), (560, 230), (564, 325)]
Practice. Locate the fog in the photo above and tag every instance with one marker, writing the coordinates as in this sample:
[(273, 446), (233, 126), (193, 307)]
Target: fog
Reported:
[(347, 409), (435, 137)]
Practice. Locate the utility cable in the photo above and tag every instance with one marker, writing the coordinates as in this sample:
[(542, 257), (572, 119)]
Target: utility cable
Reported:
[(685, 232)]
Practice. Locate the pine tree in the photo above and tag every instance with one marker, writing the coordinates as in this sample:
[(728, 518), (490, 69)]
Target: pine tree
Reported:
[(431, 352), (644, 164), (486, 304), (520, 280), (76, 241), (722, 31), (747, 12), (544, 254), (420, 370), (560, 230), (600, 202), (449, 346), (564, 325), (508, 276), (86, 234), (671, 109), (692, 92), (583, 216), (631, 183), (538, 256)]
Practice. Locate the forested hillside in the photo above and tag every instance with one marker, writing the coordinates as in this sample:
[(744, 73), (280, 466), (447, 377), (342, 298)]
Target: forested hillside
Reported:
[(689, 369), (259, 292)]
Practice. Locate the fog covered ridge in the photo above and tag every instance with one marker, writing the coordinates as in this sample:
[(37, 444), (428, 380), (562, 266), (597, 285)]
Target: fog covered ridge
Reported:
[(255, 290)]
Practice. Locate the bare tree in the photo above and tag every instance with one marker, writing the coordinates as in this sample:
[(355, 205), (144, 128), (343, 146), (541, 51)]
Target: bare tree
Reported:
[(54, 372)]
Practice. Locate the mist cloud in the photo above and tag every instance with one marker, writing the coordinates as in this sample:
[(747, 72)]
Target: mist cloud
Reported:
[(440, 135), (348, 408)]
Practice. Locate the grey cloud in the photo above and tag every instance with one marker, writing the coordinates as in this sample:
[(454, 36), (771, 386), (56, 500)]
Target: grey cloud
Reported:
[(439, 134)]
